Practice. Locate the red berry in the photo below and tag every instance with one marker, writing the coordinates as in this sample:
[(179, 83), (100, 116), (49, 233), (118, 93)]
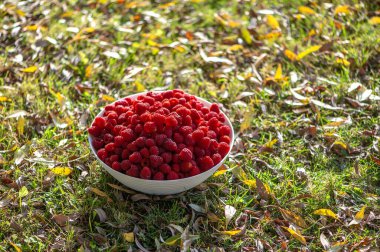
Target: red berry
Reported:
[(216, 158), (165, 168), (94, 131), (213, 145), (119, 140), (213, 123), (108, 138), (125, 154), (102, 154), (127, 134), (110, 147), (132, 146), (97, 143), (145, 173), (159, 176), (185, 130), (195, 115), (158, 119), (144, 152), (178, 138), (170, 145), (100, 122), (194, 171), (186, 166), (150, 142), (199, 152), (215, 108), (160, 139), (114, 158), (154, 150), (175, 167), (110, 107), (141, 107), (185, 154), (204, 142), (150, 127), (206, 163), (211, 134), (172, 175), (125, 165), (116, 166), (140, 142), (225, 139), (223, 149), (224, 130), (133, 171), (171, 121), (167, 157), (135, 157), (155, 161), (146, 117)]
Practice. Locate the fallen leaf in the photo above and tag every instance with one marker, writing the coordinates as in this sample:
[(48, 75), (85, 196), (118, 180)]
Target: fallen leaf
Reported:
[(306, 10), (294, 218), (129, 237), (246, 35), (61, 219), (110, 54), (23, 192), (173, 240), (374, 20), (296, 235), (62, 171), (358, 216), (31, 69), (222, 169), (354, 86), (326, 212), (101, 214), (100, 193), (17, 248), (120, 188), (262, 189), (324, 105), (342, 9), (278, 74), (88, 71), (290, 55), (140, 196), (20, 125), (212, 217), (214, 59), (231, 232), (308, 51), (229, 212), (325, 243), (272, 22), (197, 208), (236, 47)]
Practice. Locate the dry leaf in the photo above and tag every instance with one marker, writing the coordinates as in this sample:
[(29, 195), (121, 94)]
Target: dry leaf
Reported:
[(100, 193), (358, 216), (88, 71), (272, 22), (222, 169), (231, 232), (374, 20), (326, 212), (278, 74), (246, 35), (20, 125), (173, 240), (296, 235), (62, 171), (308, 51), (236, 47), (290, 55), (107, 98), (342, 9), (31, 69), (17, 248), (294, 218), (120, 188), (61, 219), (306, 10), (262, 189), (325, 243), (229, 212), (129, 237)]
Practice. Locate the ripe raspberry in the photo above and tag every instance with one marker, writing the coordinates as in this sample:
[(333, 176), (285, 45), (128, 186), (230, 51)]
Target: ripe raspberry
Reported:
[(135, 157), (127, 134), (187, 121), (168, 94), (116, 166), (94, 131), (168, 132), (199, 152), (145, 173), (173, 101), (112, 115), (225, 139), (146, 117), (102, 154), (213, 145), (186, 166), (216, 158), (125, 165), (150, 127), (185, 154), (100, 122), (178, 138), (185, 130), (97, 143), (171, 121), (125, 154), (159, 176), (213, 123), (116, 130), (224, 130), (165, 168), (139, 128), (215, 108), (132, 146), (144, 152), (167, 157), (122, 118), (149, 100), (211, 134), (155, 161), (133, 171), (119, 140), (154, 150), (160, 139), (182, 101), (170, 145), (204, 142), (223, 149), (194, 171), (150, 142), (204, 129), (206, 163), (180, 175), (172, 175), (141, 107), (189, 140), (110, 107), (121, 109), (176, 167), (175, 158), (180, 147), (197, 135), (140, 142), (114, 158), (182, 111), (110, 147), (158, 119), (123, 103), (221, 117), (118, 150)]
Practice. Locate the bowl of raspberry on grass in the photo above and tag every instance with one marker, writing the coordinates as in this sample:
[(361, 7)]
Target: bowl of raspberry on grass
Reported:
[(161, 143)]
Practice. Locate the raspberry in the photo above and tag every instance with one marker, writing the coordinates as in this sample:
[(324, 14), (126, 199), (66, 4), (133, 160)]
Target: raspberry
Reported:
[(182, 111), (112, 115), (118, 150), (121, 109), (133, 171), (211, 134), (221, 117), (187, 121), (173, 101), (213, 145), (132, 146), (216, 158), (125, 154), (116, 166), (141, 107), (199, 152), (175, 158), (182, 101), (154, 150), (160, 139), (197, 135), (180, 175), (149, 100), (110, 147), (158, 119), (135, 157), (127, 134), (172, 175), (121, 103), (213, 122), (224, 130), (170, 145), (165, 168), (116, 130), (155, 160), (206, 163), (139, 128), (225, 139), (94, 130), (215, 108), (114, 158), (150, 127), (119, 140), (122, 118), (223, 149), (140, 142), (97, 143), (168, 94), (178, 138), (159, 176), (185, 154), (175, 167), (150, 142), (100, 122), (167, 157), (168, 132), (110, 107), (185, 130), (102, 154), (204, 129), (146, 117), (180, 147), (171, 121), (125, 165), (186, 166), (145, 173), (144, 152), (194, 171), (204, 142), (189, 140)]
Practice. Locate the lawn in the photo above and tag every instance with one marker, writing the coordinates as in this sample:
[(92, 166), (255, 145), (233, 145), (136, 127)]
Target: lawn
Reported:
[(300, 81)]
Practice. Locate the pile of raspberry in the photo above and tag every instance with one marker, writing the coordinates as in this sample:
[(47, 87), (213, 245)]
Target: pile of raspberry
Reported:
[(161, 136)]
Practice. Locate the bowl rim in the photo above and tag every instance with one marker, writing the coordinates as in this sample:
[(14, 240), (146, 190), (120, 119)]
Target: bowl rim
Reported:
[(160, 182)]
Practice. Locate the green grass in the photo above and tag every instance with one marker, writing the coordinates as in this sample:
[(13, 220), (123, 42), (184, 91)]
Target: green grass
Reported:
[(60, 101)]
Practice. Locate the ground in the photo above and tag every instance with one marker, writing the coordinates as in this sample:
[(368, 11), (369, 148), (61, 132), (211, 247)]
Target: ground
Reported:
[(298, 79)]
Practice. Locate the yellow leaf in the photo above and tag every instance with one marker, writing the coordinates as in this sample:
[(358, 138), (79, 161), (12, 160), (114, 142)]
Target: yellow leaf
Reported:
[(342, 9), (171, 241), (272, 22), (197, 1), (129, 237), (100, 193), (311, 33), (292, 217), (360, 215), (222, 169), (67, 14), (103, 1), (5, 99), (62, 171), (271, 143), (88, 71), (17, 248), (233, 24), (342, 62), (250, 182), (271, 35), (108, 98), (31, 69), (247, 120), (20, 125), (231, 232), (326, 212), (235, 48), (278, 75), (31, 27), (246, 35), (20, 13), (340, 144), (89, 29), (139, 87), (308, 51), (167, 5), (296, 235), (306, 10), (290, 55), (180, 48), (374, 20)]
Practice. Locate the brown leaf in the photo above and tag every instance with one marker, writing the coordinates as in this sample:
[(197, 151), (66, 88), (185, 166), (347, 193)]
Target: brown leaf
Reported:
[(294, 218), (140, 196), (296, 235), (100, 193), (61, 219), (262, 189), (120, 188)]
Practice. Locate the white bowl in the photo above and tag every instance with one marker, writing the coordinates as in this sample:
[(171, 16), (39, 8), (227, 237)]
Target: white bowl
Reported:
[(163, 187)]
